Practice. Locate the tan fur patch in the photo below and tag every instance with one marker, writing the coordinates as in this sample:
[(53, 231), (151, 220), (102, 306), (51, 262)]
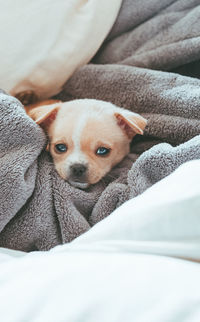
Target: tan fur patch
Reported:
[(30, 107)]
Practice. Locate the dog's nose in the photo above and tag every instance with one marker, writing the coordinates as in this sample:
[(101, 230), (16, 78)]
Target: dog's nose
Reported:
[(78, 170)]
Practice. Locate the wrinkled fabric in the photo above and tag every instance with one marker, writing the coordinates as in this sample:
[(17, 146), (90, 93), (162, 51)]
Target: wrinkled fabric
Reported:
[(38, 209)]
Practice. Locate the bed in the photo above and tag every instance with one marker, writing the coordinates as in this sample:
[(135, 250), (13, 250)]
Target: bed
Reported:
[(127, 249)]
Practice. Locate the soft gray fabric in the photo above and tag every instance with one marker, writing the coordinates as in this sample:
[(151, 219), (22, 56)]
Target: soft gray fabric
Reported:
[(154, 34), (38, 209)]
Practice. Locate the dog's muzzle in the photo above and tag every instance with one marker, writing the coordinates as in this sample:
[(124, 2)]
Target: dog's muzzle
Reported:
[(78, 176)]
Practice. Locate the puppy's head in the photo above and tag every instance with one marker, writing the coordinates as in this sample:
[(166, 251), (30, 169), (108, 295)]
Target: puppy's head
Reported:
[(87, 137)]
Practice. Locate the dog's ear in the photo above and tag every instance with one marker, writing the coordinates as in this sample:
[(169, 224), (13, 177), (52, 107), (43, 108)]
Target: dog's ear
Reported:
[(44, 114), (131, 123)]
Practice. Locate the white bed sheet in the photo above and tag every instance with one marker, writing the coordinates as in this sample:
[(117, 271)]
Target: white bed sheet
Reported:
[(124, 269)]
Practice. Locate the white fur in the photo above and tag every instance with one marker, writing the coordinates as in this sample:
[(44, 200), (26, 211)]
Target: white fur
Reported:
[(77, 155)]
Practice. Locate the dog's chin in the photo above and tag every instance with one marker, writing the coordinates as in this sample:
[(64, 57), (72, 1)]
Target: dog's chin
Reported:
[(80, 185)]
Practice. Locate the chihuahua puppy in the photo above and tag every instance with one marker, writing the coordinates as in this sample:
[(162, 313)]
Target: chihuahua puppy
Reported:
[(87, 137)]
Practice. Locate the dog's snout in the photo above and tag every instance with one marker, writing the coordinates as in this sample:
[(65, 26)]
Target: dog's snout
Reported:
[(78, 170)]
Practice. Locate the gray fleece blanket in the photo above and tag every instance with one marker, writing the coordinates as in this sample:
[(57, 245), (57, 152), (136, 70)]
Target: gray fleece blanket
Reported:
[(38, 209)]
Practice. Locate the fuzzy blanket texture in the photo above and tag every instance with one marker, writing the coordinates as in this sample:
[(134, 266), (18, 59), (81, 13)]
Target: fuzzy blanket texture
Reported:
[(137, 68)]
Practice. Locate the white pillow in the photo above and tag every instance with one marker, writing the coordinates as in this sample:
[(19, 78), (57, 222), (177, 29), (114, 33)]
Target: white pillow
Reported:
[(44, 42)]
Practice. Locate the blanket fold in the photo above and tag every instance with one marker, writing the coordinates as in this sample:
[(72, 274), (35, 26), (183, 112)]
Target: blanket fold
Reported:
[(158, 35), (38, 209)]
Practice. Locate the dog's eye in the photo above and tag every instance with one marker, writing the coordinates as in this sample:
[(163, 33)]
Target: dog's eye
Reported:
[(60, 148), (102, 151)]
